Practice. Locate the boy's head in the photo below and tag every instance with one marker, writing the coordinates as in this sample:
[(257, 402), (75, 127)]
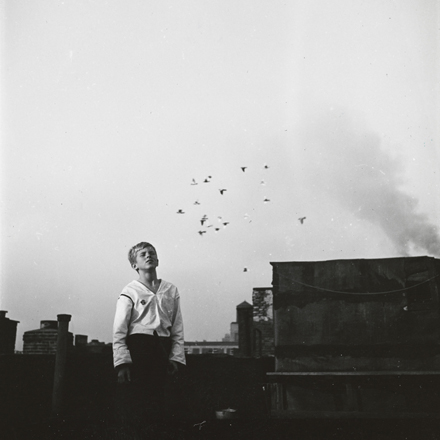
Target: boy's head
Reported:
[(134, 251)]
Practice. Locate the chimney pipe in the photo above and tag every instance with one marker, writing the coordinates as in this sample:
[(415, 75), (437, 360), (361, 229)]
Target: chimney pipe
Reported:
[(60, 365), (245, 321)]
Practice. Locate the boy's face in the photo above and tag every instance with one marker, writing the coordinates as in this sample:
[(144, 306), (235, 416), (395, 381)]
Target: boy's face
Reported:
[(146, 259)]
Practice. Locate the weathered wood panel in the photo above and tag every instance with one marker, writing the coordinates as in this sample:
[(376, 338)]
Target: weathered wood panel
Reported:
[(365, 314)]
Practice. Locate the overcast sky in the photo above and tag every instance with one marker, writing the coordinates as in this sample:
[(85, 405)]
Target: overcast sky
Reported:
[(111, 108)]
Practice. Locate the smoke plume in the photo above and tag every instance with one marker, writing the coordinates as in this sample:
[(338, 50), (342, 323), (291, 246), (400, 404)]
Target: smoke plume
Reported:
[(350, 164)]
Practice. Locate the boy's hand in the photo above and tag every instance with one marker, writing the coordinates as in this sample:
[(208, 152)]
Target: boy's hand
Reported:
[(124, 375), (172, 368)]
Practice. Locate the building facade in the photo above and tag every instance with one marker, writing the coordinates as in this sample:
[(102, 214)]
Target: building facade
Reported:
[(211, 347), (263, 329)]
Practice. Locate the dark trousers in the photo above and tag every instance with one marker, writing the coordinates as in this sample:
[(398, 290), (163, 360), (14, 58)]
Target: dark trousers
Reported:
[(143, 399)]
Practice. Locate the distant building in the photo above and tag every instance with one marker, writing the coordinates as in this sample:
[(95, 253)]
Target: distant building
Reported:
[(44, 339), (80, 341), (211, 347), (234, 332), (232, 336), (94, 346), (251, 335), (8, 333), (255, 324)]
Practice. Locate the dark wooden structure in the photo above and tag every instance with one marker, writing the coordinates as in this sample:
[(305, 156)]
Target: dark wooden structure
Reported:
[(357, 338)]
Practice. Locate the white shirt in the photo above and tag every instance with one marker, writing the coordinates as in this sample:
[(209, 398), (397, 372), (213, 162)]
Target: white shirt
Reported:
[(140, 311)]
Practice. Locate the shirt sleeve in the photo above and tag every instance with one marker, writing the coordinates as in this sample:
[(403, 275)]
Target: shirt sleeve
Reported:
[(177, 340), (121, 353)]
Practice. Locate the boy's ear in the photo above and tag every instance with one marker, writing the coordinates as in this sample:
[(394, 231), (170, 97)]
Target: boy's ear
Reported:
[(134, 266)]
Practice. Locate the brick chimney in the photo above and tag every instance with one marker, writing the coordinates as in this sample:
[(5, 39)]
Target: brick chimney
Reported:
[(8, 333)]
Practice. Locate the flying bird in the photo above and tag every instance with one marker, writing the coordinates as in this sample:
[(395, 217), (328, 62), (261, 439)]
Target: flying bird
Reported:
[(206, 180), (263, 182), (222, 191), (203, 219), (265, 167), (225, 224), (243, 169), (301, 219), (194, 182), (196, 202), (245, 269), (266, 200), (180, 212), (201, 233), (217, 229)]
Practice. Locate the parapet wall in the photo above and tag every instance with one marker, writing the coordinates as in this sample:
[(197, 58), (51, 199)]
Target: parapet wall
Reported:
[(345, 315), (208, 383)]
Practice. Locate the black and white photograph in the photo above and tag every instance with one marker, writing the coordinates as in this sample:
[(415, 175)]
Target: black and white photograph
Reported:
[(220, 219)]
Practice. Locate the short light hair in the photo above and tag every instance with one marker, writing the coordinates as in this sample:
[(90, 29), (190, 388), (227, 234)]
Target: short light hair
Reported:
[(136, 248)]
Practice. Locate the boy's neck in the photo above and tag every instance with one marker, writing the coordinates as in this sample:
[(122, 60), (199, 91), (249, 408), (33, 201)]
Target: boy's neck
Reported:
[(148, 278)]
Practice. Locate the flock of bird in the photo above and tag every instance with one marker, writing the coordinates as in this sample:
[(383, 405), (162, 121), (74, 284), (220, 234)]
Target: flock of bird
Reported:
[(204, 221)]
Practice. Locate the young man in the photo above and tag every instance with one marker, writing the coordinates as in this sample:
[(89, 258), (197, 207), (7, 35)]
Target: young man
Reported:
[(148, 342)]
